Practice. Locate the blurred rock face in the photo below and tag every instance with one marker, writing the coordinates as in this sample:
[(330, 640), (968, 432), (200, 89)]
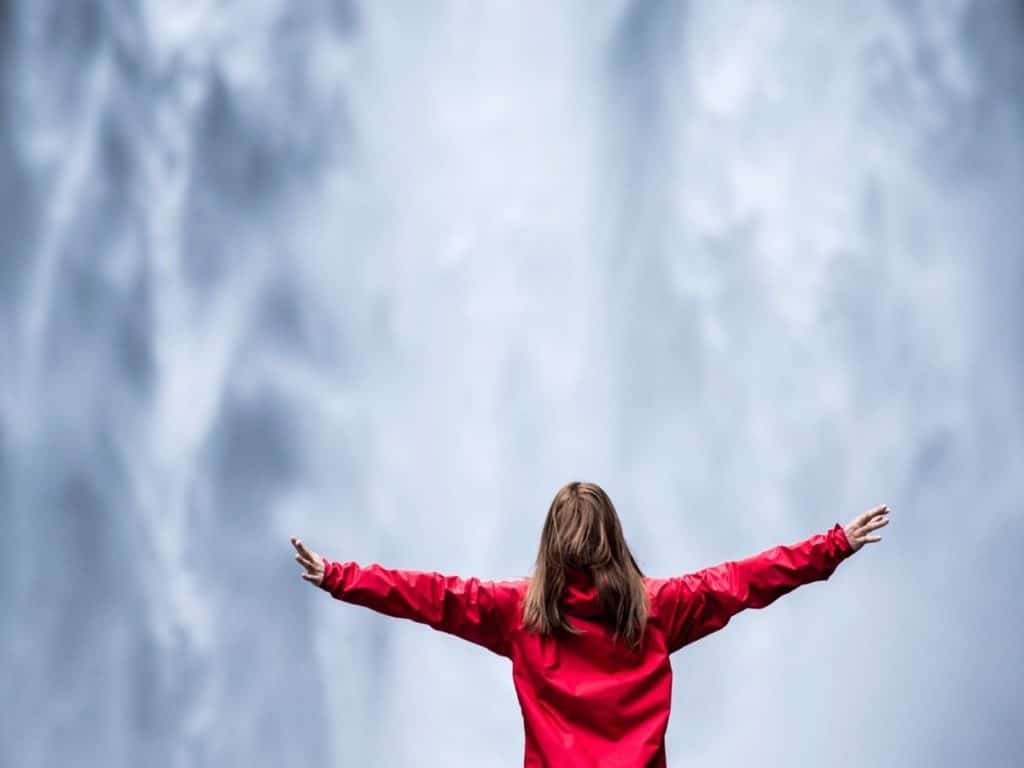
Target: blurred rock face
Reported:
[(387, 278)]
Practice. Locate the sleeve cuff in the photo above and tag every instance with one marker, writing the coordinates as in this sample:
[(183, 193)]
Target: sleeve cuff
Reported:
[(839, 533), (332, 578)]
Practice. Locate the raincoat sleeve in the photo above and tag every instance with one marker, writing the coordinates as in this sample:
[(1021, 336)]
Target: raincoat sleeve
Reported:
[(481, 612), (700, 603)]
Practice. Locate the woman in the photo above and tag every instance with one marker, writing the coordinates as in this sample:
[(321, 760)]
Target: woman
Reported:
[(588, 634)]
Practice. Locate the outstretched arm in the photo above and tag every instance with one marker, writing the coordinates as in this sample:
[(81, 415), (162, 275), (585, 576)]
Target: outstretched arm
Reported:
[(481, 612), (703, 602)]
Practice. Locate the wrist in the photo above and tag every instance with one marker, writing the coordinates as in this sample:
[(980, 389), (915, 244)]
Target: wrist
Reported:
[(846, 541)]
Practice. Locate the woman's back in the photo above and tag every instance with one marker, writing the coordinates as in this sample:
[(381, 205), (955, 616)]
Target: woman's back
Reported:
[(588, 699)]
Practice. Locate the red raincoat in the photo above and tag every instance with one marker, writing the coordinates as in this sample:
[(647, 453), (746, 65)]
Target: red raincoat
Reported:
[(588, 701)]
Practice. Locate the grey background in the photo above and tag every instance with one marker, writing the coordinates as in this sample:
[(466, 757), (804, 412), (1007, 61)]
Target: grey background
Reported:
[(385, 275)]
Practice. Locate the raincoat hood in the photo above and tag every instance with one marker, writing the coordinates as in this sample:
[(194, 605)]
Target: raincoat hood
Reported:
[(581, 598)]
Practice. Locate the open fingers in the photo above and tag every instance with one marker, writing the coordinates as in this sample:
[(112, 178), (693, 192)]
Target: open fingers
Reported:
[(874, 525), (872, 514), (302, 549)]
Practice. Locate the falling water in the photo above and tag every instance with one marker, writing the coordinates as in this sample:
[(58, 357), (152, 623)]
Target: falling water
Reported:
[(386, 277)]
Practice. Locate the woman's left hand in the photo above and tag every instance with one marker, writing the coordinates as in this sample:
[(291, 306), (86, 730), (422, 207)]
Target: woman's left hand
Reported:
[(310, 560), (859, 532)]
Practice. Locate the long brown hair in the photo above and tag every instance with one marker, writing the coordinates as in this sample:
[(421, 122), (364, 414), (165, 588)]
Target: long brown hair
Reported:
[(582, 532)]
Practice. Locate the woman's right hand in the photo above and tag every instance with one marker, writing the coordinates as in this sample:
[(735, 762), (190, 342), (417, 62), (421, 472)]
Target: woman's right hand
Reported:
[(858, 532), (310, 560)]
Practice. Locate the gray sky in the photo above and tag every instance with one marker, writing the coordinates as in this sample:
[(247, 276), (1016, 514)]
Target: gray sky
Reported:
[(387, 278)]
